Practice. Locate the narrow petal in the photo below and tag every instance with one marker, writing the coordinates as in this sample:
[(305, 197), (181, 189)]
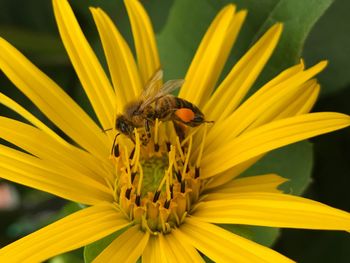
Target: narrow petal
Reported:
[(301, 105), (242, 76), (128, 247), (71, 232), (153, 252), (86, 65), (11, 104), (45, 147), (121, 63), (269, 137), (211, 56), (52, 100), (223, 246), (186, 252), (258, 183), (144, 39), (273, 210), (46, 176), (230, 174), (262, 107)]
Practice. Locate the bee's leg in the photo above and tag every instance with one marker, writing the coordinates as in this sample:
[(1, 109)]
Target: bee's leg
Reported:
[(180, 131), (147, 128)]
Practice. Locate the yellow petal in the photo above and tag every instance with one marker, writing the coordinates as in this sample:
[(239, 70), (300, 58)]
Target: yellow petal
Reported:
[(211, 56), (179, 251), (86, 64), (6, 101), (144, 39), (121, 63), (228, 175), (262, 107), (128, 247), (242, 76), (153, 252), (285, 103), (45, 147), (258, 183), (223, 246), (71, 232), (303, 104), (273, 210), (46, 176), (52, 101), (269, 137)]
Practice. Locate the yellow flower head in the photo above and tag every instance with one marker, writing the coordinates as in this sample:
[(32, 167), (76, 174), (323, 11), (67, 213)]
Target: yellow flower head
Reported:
[(162, 169)]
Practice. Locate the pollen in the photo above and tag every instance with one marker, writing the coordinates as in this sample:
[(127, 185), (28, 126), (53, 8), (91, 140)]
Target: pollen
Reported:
[(156, 185), (184, 114)]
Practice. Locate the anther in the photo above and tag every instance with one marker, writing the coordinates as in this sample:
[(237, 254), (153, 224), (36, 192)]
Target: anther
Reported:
[(183, 186), (196, 172), (116, 152), (138, 200), (156, 147), (133, 175), (168, 146), (156, 196), (132, 154), (172, 191), (178, 176), (167, 204), (128, 193), (187, 169)]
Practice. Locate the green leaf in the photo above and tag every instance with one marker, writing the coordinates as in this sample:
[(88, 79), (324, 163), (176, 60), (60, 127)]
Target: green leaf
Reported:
[(293, 162), (187, 23), (330, 39), (93, 250)]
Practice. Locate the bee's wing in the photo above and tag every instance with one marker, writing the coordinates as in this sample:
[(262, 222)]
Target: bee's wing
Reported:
[(167, 88), (170, 86), (153, 86)]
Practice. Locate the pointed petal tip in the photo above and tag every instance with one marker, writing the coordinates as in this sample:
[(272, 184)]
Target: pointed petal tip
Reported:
[(243, 13), (229, 8)]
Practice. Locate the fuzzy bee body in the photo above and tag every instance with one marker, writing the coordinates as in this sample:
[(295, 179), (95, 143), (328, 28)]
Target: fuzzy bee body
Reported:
[(156, 103)]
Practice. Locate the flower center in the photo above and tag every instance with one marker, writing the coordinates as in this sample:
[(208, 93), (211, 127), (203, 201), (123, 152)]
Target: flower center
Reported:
[(156, 185)]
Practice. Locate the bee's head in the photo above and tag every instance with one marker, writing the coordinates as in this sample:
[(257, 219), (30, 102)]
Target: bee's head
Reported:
[(123, 125)]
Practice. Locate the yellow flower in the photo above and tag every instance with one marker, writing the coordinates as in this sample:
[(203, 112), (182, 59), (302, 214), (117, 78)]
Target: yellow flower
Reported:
[(169, 194)]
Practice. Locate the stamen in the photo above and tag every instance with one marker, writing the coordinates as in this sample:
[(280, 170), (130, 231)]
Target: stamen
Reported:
[(128, 167), (178, 144), (115, 147), (191, 133), (128, 193), (156, 196), (156, 129), (136, 151), (138, 191), (199, 158), (196, 172), (187, 158)]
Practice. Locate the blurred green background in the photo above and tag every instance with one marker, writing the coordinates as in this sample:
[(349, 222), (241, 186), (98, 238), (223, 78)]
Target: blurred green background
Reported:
[(315, 30)]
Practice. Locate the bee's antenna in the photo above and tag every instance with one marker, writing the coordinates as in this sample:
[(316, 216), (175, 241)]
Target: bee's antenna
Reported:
[(107, 130), (209, 122)]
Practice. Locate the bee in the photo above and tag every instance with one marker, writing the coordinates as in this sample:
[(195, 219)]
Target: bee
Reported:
[(156, 102)]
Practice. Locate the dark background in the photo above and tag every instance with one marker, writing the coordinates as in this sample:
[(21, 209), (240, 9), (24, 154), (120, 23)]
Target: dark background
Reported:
[(30, 26)]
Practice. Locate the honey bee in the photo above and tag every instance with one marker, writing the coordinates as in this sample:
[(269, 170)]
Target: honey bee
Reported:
[(156, 102)]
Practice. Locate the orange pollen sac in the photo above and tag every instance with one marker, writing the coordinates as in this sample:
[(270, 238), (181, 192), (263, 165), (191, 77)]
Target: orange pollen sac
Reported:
[(184, 114), (157, 189)]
